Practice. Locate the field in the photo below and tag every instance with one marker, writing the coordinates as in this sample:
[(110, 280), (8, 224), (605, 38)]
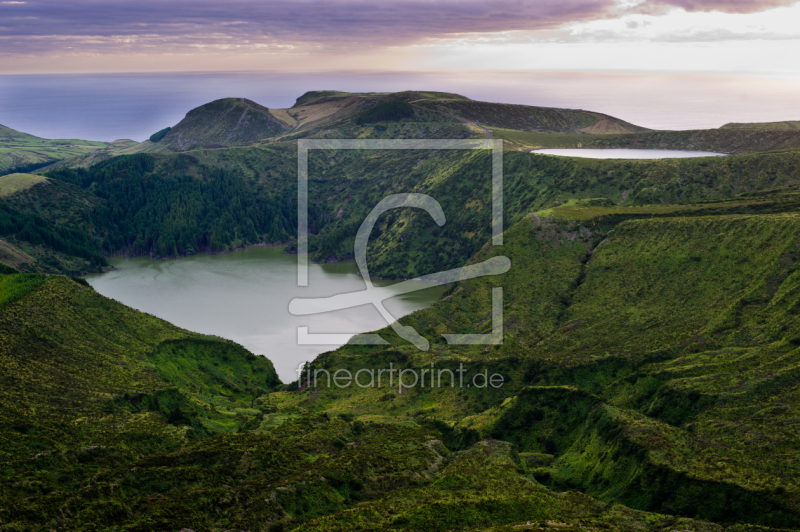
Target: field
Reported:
[(12, 183), (22, 152)]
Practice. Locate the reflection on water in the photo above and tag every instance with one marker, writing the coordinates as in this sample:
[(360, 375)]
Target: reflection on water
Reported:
[(244, 296)]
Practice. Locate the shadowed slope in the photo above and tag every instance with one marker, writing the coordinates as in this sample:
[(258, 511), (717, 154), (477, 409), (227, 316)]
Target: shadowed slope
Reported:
[(663, 360), (226, 122)]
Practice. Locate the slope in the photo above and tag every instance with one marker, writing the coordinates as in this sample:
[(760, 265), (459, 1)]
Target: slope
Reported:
[(106, 417), (334, 114), (21, 152), (729, 140), (789, 125), (144, 204), (49, 226), (651, 362), (12, 183), (228, 122), (530, 118)]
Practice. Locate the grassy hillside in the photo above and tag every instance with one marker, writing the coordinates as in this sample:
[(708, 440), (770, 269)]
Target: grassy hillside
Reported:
[(650, 362), (215, 200), (170, 207), (226, 122), (112, 418), (530, 118), (402, 241), (650, 331), (730, 140), (20, 152), (334, 114), (789, 125), (13, 183), (49, 226)]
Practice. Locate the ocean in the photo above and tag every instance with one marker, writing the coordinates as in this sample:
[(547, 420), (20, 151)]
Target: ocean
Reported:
[(112, 106)]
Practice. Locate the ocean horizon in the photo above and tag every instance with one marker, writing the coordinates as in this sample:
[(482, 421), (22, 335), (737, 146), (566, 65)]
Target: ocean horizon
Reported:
[(113, 106)]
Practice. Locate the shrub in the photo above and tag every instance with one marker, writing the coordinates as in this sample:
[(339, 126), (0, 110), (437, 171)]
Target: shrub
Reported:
[(155, 137), (386, 112)]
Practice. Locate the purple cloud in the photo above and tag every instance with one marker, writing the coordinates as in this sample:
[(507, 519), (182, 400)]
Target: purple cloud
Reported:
[(35, 24)]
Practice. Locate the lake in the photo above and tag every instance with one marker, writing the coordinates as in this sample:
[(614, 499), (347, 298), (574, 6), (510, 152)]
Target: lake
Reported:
[(626, 153), (244, 296)]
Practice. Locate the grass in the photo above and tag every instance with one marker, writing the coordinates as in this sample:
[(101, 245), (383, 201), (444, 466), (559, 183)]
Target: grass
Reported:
[(650, 350), (648, 362), (225, 122), (21, 151), (658, 358), (12, 183), (400, 246), (525, 118), (789, 125), (725, 140)]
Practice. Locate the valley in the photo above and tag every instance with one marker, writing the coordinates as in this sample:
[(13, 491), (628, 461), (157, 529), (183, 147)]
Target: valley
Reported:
[(650, 328)]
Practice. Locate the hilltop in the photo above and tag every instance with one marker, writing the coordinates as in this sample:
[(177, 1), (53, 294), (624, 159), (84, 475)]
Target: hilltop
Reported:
[(226, 122), (21, 152), (241, 122), (789, 125), (238, 122), (13, 183)]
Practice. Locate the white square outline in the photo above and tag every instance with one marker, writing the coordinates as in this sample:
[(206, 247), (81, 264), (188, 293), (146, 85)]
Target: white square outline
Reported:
[(496, 145)]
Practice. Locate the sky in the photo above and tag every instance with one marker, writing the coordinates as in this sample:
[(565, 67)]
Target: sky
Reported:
[(758, 38)]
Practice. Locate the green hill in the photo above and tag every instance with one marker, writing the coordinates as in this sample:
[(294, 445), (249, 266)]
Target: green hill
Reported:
[(13, 183), (226, 122), (175, 204), (49, 226), (730, 140), (112, 418), (649, 356), (335, 114), (530, 118), (21, 152), (650, 351), (648, 362), (789, 125)]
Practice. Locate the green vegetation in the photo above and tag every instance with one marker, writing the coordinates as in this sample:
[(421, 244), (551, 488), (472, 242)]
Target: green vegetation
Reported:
[(155, 137), (32, 230), (313, 97), (650, 348), (179, 213), (226, 122), (788, 125), (524, 117), (20, 152), (647, 362), (731, 140), (11, 183), (653, 358), (386, 112), (216, 200)]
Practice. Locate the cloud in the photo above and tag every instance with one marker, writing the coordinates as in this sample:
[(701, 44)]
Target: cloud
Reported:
[(678, 25), (724, 6), (247, 22), (86, 35)]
